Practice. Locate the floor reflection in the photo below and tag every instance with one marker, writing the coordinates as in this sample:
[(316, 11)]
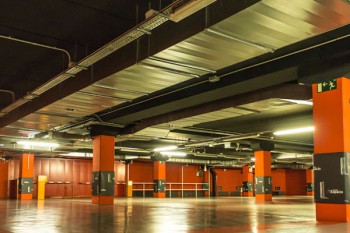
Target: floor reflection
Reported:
[(234, 214)]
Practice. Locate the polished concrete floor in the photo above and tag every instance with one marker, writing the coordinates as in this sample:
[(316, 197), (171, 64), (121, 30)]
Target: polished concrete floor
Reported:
[(233, 214)]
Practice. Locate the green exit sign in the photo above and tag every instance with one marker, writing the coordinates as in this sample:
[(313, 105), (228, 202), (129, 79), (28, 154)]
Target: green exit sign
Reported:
[(327, 86)]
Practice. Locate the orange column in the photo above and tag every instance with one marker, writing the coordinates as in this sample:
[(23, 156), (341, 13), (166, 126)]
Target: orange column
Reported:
[(248, 180), (331, 113), (159, 179), (26, 174), (103, 170), (263, 181), (310, 182)]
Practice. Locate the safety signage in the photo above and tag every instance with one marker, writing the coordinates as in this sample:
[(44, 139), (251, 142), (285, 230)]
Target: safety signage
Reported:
[(327, 86)]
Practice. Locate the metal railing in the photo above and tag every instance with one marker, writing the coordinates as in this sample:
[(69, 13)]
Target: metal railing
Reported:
[(170, 187)]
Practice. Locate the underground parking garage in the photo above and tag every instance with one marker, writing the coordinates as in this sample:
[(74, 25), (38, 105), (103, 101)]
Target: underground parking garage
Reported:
[(174, 116)]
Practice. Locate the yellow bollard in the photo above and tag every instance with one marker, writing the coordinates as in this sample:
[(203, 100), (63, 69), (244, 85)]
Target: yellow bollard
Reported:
[(41, 187), (129, 189)]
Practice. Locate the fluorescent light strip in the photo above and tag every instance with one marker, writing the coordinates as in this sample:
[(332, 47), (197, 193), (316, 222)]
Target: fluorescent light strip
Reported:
[(78, 154), (294, 131), (38, 143), (305, 102), (167, 148), (173, 153)]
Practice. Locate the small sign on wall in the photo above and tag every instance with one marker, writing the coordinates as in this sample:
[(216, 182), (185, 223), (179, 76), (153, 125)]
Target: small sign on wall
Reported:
[(327, 86), (277, 188)]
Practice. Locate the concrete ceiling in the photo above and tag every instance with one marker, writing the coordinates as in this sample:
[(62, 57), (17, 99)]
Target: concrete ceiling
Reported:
[(227, 71)]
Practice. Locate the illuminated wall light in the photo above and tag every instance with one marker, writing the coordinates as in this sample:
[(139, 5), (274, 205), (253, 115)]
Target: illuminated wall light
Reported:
[(173, 153), (167, 148), (38, 143), (295, 131)]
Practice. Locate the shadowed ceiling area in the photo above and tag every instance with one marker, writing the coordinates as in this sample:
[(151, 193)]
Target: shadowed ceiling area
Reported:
[(216, 84)]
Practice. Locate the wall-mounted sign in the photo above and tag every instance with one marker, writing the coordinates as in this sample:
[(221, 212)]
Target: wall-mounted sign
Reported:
[(327, 86)]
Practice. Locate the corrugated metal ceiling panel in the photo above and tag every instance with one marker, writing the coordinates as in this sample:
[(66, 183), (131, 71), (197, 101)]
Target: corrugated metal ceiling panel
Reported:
[(268, 23), (207, 117)]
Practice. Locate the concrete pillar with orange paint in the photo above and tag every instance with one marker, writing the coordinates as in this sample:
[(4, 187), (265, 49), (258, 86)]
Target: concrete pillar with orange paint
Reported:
[(310, 182), (26, 174), (159, 179), (263, 179), (248, 180), (103, 170), (331, 114)]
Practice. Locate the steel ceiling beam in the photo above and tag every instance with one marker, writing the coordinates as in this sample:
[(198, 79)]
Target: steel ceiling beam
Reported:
[(271, 69), (123, 58), (289, 91)]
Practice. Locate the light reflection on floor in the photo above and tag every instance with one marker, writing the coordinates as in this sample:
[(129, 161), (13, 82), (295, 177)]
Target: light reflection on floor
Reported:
[(234, 214)]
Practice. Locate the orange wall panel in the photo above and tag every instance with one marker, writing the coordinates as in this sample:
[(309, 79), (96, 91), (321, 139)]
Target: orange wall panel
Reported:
[(141, 172), (296, 182), (68, 170), (13, 168), (190, 174), (53, 169), (173, 173), (279, 180), (4, 181), (229, 179), (119, 169)]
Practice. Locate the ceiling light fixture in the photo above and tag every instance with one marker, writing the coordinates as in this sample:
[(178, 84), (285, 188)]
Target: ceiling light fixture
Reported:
[(166, 148), (78, 154), (295, 131), (187, 8), (241, 137), (305, 102), (38, 143), (173, 153)]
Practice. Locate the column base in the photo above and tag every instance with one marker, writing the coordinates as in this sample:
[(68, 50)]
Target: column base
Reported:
[(333, 212), (25, 196), (103, 200), (263, 197), (159, 195)]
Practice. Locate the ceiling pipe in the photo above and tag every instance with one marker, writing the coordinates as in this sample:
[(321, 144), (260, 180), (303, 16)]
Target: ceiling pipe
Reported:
[(130, 36), (222, 140), (40, 45), (9, 92)]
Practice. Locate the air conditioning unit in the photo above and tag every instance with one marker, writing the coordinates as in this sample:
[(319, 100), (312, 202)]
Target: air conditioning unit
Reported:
[(187, 8)]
